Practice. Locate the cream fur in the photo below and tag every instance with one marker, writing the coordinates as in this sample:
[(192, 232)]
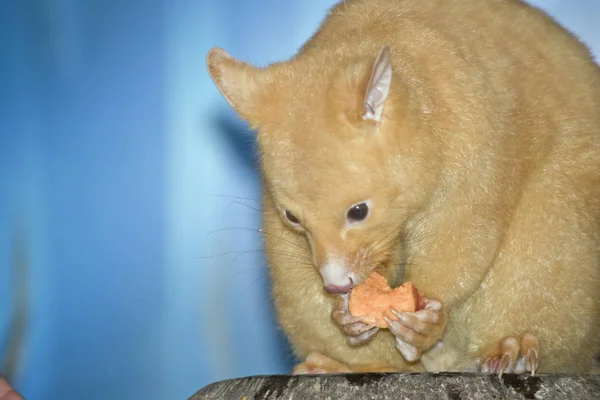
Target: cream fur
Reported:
[(484, 175)]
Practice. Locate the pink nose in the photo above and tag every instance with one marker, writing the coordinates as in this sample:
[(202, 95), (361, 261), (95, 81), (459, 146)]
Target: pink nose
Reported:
[(331, 288)]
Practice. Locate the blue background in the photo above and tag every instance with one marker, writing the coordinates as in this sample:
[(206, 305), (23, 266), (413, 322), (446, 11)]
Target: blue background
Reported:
[(130, 262)]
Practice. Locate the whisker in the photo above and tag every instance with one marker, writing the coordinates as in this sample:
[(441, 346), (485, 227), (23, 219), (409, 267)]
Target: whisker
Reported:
[(293, 266), (410, 186), (386, 240), (261, 250), (242, 272), (259, 202), (256, 231), (233, 228), (246, 205), (285, 240), (303, 273), (299, 260), (233, 197), (262, 276)]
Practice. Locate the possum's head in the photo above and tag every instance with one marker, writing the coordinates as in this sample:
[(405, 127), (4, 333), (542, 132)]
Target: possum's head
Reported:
[(342, 160)]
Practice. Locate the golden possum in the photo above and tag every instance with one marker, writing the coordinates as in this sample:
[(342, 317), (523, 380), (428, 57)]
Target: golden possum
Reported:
[(451, 143)]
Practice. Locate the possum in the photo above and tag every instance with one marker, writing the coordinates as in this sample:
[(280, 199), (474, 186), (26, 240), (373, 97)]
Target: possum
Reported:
[(454, 144)]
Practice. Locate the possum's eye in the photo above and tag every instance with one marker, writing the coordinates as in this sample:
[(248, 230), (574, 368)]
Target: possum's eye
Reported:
[(358, 212), (291, 217)]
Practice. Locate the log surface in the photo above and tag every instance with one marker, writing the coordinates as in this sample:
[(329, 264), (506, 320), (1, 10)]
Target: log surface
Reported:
[(451, 386)]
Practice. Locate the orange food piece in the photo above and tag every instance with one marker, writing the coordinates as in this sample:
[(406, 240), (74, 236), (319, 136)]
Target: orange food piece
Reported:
[(374, 299)]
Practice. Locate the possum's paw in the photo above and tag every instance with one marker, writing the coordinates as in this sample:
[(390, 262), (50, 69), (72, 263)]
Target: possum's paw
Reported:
[(317, 363), (416, 332), (512, 355), (358, 332)]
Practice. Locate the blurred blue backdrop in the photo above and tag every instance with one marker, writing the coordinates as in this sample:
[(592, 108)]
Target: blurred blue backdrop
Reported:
[(130, 262)]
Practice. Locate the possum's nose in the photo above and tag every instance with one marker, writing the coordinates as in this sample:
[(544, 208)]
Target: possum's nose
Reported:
[(339, 289), (337, 278)]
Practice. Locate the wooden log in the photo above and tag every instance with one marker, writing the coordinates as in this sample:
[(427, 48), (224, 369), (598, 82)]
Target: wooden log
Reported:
[(451, 386)]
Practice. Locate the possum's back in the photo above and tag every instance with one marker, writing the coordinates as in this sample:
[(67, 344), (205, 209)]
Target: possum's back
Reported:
[(529, 62), (502, 27)]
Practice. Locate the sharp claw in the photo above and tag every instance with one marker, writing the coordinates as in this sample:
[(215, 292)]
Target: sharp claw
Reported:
[(504, 365), (494, 365), (355, 319), (516, 357), (391, 324), (399, 330), (484, 367), (508, 362), (527, 362), (344, 318), (354, 330), (531, 361), (372, 331), (363, 337), (490, 365), (401, 316), (425, 316)]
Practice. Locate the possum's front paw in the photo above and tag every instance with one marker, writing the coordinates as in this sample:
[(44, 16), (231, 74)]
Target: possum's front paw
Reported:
[(418, 331), (512, 355), (358, 332)]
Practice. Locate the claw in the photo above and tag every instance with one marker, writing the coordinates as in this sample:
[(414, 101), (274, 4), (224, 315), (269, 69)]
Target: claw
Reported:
[(484, 367), (490, 365), (505, 365), (513, 356), (344, 318), (357, 328), (363, 337), (531, 361), (357, 332), (419, 321), (530, 353), (401, 331), (420, 329)]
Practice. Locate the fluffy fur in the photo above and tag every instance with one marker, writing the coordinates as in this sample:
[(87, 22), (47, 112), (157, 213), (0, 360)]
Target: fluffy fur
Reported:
[(483, 175)]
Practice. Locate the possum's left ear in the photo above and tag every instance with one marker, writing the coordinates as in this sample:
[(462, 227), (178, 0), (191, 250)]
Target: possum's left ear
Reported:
[(237, 81), (378, 86), (359, 89)]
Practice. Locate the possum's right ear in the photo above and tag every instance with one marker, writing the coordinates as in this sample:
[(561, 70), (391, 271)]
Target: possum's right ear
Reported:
[(236, 80)]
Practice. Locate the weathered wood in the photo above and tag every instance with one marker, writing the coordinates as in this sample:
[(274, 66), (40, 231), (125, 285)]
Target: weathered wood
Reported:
[(451, 386)]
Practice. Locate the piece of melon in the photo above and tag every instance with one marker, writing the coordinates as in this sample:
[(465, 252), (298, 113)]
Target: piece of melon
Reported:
[(374, 299)]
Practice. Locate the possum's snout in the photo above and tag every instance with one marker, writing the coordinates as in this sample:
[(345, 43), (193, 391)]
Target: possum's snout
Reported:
[(337, 278)]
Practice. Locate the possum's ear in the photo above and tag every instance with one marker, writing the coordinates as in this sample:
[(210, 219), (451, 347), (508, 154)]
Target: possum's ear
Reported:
[(237, 81), (378, 86), (360, 88)]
